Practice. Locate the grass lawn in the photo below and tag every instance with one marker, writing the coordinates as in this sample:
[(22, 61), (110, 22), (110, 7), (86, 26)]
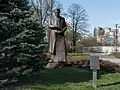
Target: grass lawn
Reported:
[(70, 78), (78, 56)]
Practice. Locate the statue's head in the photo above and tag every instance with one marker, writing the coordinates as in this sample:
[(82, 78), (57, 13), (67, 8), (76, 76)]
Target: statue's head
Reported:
[(57, 12)]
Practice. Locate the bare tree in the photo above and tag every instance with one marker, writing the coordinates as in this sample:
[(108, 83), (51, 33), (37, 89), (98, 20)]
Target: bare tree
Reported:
[(44, 9), (89, 41), (79, 20)]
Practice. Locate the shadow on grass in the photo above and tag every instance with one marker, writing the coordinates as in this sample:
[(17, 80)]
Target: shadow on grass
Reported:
[(59, 76), (116, 83)]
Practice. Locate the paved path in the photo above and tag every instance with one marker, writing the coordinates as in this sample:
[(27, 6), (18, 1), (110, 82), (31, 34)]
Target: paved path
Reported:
[(110, 58)]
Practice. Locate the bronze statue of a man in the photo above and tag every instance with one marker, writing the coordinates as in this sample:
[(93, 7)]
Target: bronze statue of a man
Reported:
[(57, 47)]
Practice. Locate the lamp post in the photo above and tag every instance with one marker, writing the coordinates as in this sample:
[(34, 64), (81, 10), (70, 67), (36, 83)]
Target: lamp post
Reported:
[(116, 37)]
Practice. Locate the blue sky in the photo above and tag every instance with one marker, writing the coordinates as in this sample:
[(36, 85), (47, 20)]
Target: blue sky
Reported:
[(104, 13)]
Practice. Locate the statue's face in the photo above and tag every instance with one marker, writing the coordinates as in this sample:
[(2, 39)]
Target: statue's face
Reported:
[(57, 13)]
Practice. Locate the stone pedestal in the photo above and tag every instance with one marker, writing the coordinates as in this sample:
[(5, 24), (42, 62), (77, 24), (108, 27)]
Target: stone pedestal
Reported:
[(56, 64)]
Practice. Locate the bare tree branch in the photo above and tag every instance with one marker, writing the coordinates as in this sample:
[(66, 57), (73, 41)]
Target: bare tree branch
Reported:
[(44, 9), (79, 19)]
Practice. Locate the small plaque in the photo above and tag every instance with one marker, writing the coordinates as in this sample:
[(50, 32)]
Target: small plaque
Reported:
[(94, 62)]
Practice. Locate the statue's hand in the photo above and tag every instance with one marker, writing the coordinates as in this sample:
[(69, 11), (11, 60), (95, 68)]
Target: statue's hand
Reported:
[(51, 26), (58, 31)]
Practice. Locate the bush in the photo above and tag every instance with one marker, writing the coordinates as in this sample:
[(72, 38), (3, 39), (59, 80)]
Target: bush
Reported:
[(81, 63), (104, 65), (116, 54), (109, 66)]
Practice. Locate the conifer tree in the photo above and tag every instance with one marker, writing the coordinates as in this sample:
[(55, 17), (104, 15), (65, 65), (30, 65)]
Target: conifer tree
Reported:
[(21, 39)]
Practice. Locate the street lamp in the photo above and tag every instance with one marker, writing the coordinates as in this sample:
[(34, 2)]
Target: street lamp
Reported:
[(116, 37)]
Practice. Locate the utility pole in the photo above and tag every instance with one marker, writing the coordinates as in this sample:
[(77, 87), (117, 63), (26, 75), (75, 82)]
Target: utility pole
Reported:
[(116, 37)]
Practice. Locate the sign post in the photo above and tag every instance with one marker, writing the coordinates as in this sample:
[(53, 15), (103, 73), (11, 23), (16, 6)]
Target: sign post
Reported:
[(94, 65)]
